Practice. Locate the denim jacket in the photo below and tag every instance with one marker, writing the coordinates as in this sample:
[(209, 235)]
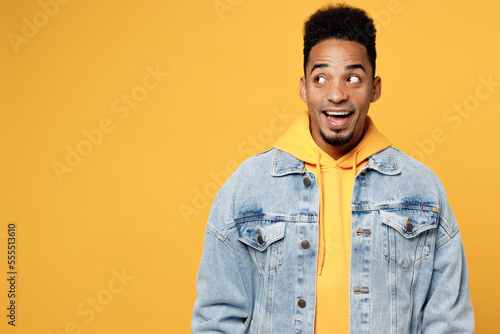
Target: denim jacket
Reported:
[(408, 271)]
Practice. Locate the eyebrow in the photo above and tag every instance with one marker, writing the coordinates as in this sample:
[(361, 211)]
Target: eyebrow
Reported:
[(315, 66), (354, 66), (348, 67)]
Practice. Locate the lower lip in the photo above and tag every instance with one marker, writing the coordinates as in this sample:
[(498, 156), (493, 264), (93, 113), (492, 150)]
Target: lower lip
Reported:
[(338, 123)]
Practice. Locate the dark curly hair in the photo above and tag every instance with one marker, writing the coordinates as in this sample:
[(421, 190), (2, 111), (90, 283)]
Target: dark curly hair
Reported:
[(341, 22)]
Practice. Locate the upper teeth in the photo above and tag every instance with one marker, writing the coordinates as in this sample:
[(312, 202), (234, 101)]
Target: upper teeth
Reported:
[(337, 113)]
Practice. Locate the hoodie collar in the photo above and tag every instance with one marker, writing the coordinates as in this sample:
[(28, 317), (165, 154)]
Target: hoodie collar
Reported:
[(297, 141), (296, 147), (384, 162)]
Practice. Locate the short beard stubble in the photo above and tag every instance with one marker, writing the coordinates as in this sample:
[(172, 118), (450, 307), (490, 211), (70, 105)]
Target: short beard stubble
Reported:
[(337, 139)]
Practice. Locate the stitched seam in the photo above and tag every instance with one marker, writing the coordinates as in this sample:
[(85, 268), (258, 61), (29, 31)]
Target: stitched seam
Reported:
[(224, 238), (253, 255), (270, 301), (394, 160), (409, 265), (409, 235), (216, 233), (275, 162), (392, 206), (446, 227), (298, 219), (443, 241)]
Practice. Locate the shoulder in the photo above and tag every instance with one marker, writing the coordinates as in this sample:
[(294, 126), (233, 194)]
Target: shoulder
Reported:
[(259, 163), (410, 164), (395, 162), (246, 185), (397, 174), (418, 180)]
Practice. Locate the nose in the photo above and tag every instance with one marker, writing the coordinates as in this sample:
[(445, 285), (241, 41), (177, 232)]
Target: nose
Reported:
[(337, 93)]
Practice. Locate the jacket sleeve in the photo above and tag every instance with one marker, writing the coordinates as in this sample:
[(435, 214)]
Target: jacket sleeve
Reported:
[(221, 304), (448, 307)]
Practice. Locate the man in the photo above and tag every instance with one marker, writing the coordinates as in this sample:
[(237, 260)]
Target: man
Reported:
[(333, 230)]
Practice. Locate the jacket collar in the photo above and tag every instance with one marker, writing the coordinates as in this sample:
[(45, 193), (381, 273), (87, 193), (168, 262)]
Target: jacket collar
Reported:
[(284, 164), (384, 162)]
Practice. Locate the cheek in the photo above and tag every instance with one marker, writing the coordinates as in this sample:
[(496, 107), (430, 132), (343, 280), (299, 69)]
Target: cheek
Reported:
[(313, 98), (363, 101)]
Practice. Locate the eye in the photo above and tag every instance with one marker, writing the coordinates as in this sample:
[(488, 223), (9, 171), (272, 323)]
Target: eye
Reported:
[(320, 79), (353, 79)]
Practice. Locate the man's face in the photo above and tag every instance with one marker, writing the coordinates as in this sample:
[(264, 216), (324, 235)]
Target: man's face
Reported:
[(338, 89)]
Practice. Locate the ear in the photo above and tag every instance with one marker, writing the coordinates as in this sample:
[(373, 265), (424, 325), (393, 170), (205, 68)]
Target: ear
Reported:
[(302, 89), (377, 89)]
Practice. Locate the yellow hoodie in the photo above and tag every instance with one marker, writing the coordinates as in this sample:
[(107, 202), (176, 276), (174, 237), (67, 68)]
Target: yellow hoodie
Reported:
[(335, 181)]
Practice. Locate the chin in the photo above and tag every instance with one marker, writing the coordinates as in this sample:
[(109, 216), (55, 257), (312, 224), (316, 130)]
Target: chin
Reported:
[(337, 139)]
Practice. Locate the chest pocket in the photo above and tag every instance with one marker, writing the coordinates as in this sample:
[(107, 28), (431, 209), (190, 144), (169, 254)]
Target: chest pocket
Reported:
[(265, 241), (408, 235)]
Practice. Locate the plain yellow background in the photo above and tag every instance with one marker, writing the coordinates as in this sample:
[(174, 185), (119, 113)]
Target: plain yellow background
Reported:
[(226, 83)]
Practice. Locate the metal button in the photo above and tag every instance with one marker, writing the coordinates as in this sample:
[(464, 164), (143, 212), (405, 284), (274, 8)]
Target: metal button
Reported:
[(307, 181), (362, 174), (260, 240), (302, 303), (409, 225), (305, 244)]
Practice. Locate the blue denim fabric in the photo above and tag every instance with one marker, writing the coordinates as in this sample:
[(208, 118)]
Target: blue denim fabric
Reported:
[(408, 274)]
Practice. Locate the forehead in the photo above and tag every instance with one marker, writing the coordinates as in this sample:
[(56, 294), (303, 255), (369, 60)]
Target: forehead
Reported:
[(338, 53)]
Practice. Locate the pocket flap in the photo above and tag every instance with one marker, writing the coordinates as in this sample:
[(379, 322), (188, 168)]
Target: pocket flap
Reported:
[(409, 223), (260, 234)]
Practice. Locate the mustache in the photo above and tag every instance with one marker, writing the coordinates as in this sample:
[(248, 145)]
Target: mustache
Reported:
[(346, 106)]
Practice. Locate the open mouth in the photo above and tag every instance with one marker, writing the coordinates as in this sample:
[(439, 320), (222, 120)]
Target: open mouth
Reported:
[(332, 115), (338, 119)]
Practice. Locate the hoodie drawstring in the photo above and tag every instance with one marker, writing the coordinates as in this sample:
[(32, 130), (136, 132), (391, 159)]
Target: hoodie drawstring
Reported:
[(354, 165), (321, 250), (322, 241)]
